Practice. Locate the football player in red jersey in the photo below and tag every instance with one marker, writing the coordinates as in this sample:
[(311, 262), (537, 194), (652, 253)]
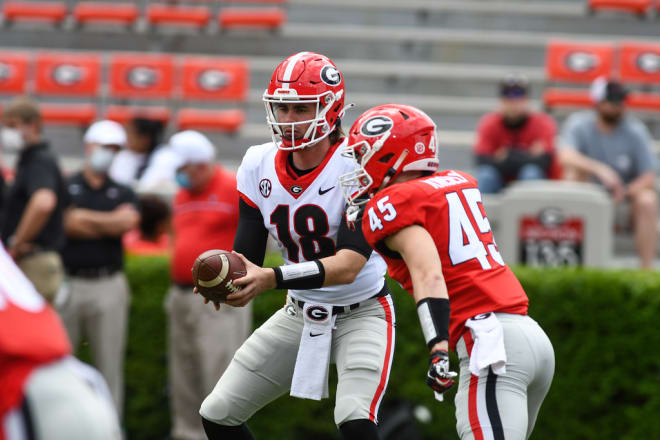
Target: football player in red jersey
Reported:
[(431, 228), (44, 392)]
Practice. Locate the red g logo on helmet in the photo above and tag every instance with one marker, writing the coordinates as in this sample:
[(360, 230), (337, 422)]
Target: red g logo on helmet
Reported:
[(376, 126)]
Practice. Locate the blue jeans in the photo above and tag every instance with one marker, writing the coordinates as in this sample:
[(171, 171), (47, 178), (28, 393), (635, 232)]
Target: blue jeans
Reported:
[(490, 180)]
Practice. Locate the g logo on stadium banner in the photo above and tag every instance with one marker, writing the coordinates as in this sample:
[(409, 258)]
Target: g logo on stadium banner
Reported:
[(648, 62), (212, 79), (581, 61), (265, 187), (317, 313), (142, 77), (67, 74), (377, 125), (330, 75)]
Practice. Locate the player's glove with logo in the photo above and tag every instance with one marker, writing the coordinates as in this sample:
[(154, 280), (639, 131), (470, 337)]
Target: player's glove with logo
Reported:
[(440, 378)]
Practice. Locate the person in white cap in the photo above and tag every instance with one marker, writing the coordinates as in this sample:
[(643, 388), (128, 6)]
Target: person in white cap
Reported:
[(94, 303), (611, 147), (201, 341)]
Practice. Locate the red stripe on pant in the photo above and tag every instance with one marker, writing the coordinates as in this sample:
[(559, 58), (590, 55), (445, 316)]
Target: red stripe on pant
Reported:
[(473, 415), (373, 409)]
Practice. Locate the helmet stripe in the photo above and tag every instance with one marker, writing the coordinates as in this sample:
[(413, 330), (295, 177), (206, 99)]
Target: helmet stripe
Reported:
[(289, 68)]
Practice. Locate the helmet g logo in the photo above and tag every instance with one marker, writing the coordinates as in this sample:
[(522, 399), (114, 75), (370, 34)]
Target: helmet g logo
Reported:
[(376, 126), (330, 75)]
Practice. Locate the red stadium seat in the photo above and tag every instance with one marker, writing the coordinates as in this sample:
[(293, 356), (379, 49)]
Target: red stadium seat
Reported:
[(226, 121), (141, 76), (575, 62), (639, 7), (272, 2), (93, 12), (640, 62), (267, 18), (124, 114), (53, 12), (68, 114), (566, 98), (67, 74), (178, 15), (214, 78), (13, 72), (643, 101)]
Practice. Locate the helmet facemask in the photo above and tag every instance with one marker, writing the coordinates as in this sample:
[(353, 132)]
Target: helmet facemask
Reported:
[(318, 129)]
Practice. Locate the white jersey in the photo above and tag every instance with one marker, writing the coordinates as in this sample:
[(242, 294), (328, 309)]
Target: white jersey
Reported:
[(303, 215)]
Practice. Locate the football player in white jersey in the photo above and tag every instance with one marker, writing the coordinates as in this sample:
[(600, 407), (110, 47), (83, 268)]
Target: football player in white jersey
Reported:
[(288, 189)]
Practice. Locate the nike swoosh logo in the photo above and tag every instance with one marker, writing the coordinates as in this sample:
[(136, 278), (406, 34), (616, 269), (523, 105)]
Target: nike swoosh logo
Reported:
[(313, 335), (323, 191)]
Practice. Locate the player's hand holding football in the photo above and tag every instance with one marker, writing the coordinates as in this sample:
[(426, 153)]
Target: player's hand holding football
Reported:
[(256, 280), (440, 377)]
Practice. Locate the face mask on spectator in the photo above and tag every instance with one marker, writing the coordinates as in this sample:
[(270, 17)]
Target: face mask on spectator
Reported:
[(183, 180), (100, 159), (11, 139)]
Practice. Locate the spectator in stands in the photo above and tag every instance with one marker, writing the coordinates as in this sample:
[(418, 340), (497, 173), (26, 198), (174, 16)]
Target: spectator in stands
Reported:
[(146, 163), (514, 142), (95, 304), (201, 341), (32, 227), (614, 148), (153, 235)]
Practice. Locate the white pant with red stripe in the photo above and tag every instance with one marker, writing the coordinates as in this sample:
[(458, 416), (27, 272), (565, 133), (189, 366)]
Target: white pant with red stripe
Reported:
[(262, 369), (505, 407)]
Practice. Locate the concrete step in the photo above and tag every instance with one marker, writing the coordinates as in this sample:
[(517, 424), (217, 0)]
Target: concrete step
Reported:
[(351, 41), (492, 15)]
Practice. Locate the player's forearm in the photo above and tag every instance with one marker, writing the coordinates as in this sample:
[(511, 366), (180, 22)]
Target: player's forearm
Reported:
[(343, 267)]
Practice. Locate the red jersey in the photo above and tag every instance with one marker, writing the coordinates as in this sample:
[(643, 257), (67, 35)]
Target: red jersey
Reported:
[(31, 333), (448, 205), (203, 221), (493, 135)]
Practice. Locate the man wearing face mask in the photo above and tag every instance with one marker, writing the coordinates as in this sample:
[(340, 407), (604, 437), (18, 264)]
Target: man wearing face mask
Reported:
[(613, 148), (201, 341), (514, 142), (94, 306), (32, 213)]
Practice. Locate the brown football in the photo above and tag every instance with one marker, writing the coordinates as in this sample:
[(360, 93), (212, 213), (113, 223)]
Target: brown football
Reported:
[(214, 271)]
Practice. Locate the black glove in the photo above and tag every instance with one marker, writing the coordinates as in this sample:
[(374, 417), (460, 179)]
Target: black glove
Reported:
[(440, 378)]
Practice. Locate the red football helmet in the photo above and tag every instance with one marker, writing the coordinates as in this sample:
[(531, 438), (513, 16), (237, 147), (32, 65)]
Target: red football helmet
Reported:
[(305, 77), (386, 141)]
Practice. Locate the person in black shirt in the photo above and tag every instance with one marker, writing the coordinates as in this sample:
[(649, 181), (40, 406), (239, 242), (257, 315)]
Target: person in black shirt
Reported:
[(32, 228), (95, 304)]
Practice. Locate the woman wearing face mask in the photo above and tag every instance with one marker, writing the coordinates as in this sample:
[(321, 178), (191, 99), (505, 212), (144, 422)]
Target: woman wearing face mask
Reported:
[(95, 304)]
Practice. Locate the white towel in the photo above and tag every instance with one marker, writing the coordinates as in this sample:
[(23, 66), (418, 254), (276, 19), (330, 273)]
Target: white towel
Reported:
[(488, 349), (310, 376)]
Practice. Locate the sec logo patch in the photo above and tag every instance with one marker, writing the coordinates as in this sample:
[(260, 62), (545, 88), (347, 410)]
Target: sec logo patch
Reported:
[(265, 187)]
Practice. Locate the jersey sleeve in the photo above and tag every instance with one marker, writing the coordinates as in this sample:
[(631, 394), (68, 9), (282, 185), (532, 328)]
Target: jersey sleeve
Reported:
[(390, 211), (247, 181)]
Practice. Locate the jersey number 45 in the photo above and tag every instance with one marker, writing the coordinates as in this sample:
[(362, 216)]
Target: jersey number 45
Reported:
[(464, 242)]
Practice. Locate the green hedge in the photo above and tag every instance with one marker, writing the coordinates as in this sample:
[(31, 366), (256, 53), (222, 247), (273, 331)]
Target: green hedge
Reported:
[(603, 325)]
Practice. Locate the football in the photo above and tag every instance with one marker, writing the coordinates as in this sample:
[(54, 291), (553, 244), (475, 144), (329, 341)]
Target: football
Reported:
[(213, 273)]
